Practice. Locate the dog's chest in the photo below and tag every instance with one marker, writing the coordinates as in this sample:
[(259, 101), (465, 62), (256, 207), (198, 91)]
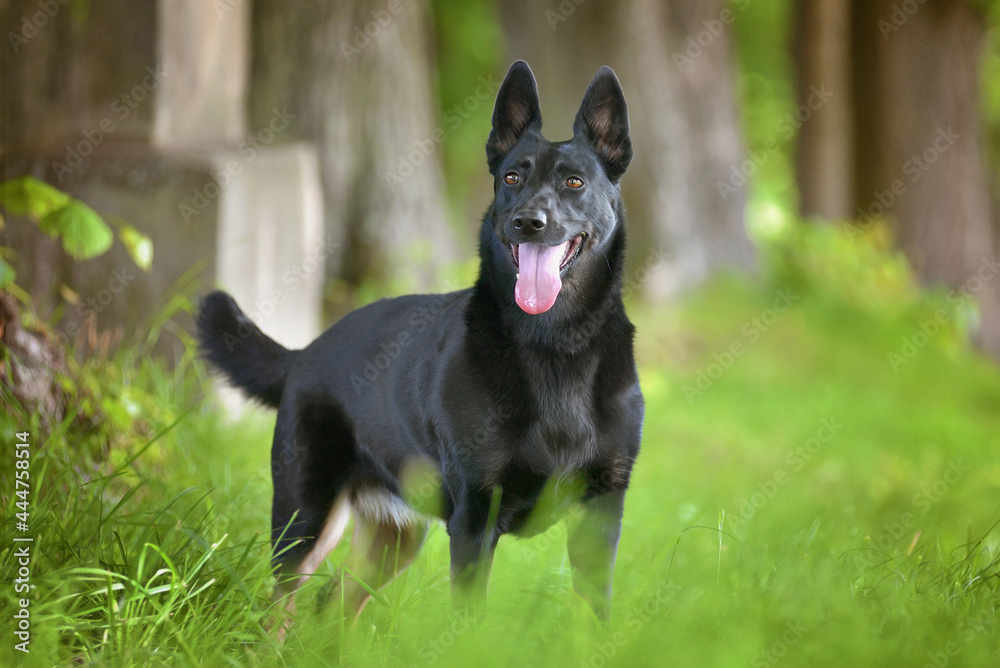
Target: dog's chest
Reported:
[(561, 434)]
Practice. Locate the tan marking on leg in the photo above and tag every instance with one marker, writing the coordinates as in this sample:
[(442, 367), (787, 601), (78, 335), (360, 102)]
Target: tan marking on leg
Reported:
[(329, 538)]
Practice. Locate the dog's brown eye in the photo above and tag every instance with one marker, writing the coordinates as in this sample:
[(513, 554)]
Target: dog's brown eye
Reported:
[(511, 178), (574, 182)]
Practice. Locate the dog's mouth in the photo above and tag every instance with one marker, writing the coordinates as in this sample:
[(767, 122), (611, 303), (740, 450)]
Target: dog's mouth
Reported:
[(540, 270), (569, 257)]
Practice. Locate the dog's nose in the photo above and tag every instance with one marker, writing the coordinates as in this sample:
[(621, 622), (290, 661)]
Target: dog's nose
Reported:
[(530, 221)]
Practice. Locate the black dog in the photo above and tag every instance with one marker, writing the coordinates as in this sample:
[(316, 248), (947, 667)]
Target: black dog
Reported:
[(506, 390)]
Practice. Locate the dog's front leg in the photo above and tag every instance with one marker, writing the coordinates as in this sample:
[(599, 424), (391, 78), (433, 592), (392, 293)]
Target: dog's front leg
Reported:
[(593, 545), (473, 532)]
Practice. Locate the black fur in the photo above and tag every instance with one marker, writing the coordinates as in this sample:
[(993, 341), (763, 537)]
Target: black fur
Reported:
[(250, 360), (499, 402)]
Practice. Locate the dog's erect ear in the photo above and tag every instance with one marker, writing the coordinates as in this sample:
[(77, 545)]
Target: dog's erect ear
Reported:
[(516, 111), (603, 121)]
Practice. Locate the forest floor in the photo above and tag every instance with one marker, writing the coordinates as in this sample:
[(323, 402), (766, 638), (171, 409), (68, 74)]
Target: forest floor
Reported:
[(817, 485)]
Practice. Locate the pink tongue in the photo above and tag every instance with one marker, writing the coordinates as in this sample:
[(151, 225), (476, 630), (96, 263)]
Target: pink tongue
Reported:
[(538, 282)]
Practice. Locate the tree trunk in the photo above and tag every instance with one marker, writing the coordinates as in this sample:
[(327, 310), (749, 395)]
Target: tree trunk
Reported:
[(919, 152), (683, 118), (357, 75), (824, 166)]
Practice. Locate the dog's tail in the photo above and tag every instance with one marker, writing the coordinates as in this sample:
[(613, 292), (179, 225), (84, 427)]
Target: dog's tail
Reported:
[(249, 358)]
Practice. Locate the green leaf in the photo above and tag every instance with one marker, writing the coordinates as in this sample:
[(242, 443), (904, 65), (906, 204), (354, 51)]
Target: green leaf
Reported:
[(138, 245), (7, 274), (84, 235), (30, 197)]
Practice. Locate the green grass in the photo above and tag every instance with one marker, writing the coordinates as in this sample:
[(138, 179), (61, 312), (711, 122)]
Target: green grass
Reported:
[(811, 506)]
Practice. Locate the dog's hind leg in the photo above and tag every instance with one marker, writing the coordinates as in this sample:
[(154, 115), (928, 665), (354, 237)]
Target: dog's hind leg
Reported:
[(379, 552), (319, 549), (311, 462)]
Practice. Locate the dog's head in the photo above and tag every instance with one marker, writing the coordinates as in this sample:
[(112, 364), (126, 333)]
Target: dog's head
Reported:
[(556, 205)]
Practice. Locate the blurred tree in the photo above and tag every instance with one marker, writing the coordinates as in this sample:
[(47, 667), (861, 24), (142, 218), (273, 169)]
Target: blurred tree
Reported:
[(686, 188), (919, 150), (990, 79), (471, 62), (915, 132), (825, 149), (357, 74)]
